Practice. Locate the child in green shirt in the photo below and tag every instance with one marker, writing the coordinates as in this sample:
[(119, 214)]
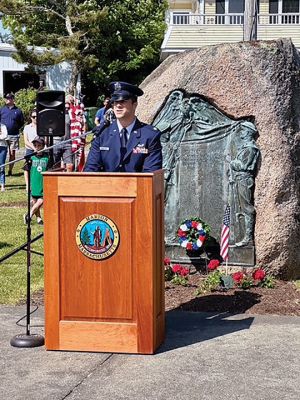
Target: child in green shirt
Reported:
[(39, 164)]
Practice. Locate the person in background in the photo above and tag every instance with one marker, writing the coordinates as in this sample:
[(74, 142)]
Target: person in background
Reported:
[(30, 134), (3, 154), (62, 153), (12, 117), (39, 165), (100, 114), (78, 126)]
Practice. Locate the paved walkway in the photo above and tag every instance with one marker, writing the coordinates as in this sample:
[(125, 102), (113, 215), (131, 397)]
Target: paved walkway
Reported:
[(204, 357)]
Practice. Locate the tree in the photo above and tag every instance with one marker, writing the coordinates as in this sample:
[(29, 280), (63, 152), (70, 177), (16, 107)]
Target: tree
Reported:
[(106, 39), (85, 237)]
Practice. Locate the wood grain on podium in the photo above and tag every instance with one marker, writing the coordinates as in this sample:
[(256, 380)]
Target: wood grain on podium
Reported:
[(116, 304)]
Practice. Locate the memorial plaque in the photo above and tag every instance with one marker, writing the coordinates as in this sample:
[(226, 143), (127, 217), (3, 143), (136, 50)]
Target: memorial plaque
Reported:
[(209, 161)]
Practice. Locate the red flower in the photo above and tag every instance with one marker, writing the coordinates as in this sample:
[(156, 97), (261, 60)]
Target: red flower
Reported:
[(189, 246), (213, 264), (176, 268), (181, 233), (167, 261), (237, 277), (184, 271), (195, 224), (259, 274)]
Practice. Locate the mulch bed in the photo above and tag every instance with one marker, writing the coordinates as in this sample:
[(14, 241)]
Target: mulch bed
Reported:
[(284, 299)]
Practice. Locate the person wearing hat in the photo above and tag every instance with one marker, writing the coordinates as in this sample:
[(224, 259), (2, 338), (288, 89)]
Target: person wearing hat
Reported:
[(127, 145), (39, 164), (12, 117)]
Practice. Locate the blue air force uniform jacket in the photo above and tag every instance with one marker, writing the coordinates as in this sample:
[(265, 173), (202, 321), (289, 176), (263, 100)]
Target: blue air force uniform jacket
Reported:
[(143, 150)]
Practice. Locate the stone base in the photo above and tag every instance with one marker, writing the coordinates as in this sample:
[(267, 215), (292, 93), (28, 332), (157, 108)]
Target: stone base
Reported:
[(242, 256), (239, 256)]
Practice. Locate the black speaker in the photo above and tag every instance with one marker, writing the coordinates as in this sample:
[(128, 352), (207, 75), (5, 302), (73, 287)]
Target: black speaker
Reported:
[(50, 105)]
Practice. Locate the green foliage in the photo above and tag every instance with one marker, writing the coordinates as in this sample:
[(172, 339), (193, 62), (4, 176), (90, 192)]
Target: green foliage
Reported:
[(106, 39), (210, 283), (179, 280), (246, 282), (220, 280), (268, 282), (168, 273), (25, 100)]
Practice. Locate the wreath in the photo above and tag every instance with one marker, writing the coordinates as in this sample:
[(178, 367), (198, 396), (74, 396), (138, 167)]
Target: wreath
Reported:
[(192, 233)]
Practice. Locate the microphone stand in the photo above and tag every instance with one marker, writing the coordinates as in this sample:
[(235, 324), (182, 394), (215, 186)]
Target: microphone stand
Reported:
[(28, 339)]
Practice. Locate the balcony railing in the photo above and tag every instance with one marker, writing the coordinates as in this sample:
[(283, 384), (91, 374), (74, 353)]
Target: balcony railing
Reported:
[(174, 18)]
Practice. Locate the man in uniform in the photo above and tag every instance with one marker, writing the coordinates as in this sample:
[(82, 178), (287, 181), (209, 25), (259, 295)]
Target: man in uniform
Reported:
[(127, 145)]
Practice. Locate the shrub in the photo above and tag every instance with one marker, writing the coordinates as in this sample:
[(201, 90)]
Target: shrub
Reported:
[(25, 99), (217, 280), (177, 274)]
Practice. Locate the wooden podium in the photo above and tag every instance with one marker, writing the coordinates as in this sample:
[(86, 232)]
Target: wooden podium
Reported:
[(104, 249)]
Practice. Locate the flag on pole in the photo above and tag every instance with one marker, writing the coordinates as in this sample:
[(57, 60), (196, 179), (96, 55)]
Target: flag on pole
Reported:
[(225, 234)]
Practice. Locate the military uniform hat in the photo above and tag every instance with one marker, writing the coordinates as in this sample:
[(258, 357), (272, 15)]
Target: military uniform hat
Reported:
[(124, 91)]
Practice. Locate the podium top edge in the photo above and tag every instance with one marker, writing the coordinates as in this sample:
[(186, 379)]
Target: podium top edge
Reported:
[(123, 174)]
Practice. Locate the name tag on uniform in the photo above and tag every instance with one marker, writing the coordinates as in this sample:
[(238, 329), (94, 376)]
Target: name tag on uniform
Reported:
[(104, 148), (140, 149)]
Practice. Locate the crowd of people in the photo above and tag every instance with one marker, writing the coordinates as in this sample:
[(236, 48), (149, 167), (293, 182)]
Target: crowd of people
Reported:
[(67, 155), (121, 142)]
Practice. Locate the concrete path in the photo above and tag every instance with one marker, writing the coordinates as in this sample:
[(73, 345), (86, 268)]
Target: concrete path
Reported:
[(204, 357)]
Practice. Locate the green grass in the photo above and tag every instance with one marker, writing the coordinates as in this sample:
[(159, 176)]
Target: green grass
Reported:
[(13, 233)]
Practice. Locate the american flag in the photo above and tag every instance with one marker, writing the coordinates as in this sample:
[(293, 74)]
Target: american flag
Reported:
[(225, 234)]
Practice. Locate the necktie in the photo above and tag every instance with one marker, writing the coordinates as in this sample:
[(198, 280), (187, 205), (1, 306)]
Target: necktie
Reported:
[(123, 137)]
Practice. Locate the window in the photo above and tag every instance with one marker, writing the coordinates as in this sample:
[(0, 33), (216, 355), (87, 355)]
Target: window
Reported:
[(273, 6), (220, 6), (236, 7), (290, 6), (230, 7)]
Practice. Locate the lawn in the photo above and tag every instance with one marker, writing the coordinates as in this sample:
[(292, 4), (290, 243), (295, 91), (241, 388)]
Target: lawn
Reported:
[(13, 233)]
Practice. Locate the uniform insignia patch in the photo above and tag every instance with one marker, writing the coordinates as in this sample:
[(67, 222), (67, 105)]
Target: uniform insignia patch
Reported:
[(140, 149), (118, 86)]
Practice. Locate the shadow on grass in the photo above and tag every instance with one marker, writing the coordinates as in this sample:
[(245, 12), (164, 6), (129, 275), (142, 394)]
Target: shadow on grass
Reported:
[(13, 187), (4, 245)]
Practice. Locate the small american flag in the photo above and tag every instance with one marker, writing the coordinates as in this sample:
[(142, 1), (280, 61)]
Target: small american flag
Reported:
[(225, 234)]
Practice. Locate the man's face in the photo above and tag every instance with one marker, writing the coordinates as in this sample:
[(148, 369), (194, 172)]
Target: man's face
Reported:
[(9, 101), (106, 102), (124, 108)]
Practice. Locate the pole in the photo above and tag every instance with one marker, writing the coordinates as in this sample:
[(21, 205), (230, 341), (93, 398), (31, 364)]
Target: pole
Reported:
[(28, 339), (250, 20)]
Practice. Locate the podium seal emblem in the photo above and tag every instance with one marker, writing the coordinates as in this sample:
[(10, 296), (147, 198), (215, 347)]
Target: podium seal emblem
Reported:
[(97, 237)]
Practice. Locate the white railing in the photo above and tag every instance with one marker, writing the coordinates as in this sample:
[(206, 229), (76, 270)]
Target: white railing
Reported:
[(174, 18), (279, 19)]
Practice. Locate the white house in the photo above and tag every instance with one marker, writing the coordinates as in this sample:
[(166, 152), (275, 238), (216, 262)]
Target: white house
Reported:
[(15, 76), (196, 23)]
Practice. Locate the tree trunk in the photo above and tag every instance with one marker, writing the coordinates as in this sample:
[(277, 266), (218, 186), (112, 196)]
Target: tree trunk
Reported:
[(73, 79), (250, 20)]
